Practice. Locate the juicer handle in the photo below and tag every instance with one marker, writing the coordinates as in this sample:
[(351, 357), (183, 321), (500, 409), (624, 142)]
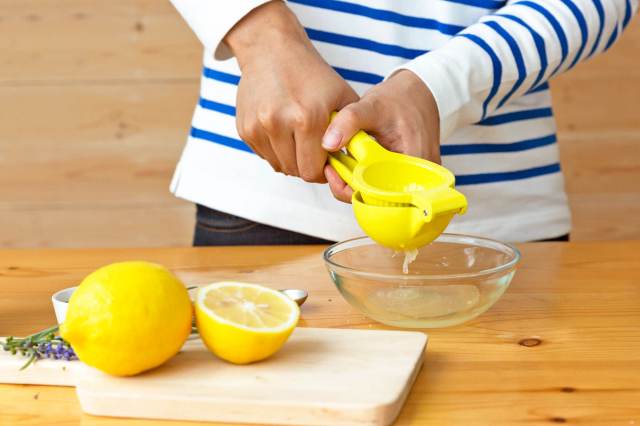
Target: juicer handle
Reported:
[(450, 200), (443, 201), (363, 147), (344, 165)]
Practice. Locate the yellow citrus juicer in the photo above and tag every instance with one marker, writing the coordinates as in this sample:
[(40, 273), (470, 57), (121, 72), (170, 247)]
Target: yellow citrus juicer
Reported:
[(400, 201)]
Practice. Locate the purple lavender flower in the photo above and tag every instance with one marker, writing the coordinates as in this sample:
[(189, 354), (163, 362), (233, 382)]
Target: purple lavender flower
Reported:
[(44, 344), (48, 349)]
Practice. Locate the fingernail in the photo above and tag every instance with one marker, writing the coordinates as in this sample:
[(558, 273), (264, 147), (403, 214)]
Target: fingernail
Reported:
[(331, 139)]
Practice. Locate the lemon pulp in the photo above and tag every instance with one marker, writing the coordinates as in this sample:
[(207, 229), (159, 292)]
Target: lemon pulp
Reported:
[(409, 257), (243, 323)]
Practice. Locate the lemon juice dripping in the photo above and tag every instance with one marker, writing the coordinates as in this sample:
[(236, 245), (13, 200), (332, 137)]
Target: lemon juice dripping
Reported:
[(409, 258)]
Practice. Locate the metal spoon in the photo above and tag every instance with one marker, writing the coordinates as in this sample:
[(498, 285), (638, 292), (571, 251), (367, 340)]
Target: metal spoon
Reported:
[(296, 294)]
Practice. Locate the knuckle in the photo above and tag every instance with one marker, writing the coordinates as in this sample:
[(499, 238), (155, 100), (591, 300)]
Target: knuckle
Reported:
[(301, 118), (290, 170), (242, 130), (245, 135), (350, 114), (247, 131), (268, 118)]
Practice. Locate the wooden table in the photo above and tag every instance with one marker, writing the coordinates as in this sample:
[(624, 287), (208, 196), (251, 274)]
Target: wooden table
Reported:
[(561, 346)]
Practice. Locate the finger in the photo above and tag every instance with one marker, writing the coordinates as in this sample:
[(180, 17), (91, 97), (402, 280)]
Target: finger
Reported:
[(255, 136), (310, 155), (339, 188), (346, 123), (264, 150), (284, 147), (280, 139)]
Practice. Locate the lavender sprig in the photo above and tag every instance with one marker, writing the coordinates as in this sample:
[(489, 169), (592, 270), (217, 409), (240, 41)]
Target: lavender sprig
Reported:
[(44, 344)]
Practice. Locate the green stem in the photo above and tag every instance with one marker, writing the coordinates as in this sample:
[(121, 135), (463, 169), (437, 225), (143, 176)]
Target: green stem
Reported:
[(28, 346), (30, 361), (31, 337)]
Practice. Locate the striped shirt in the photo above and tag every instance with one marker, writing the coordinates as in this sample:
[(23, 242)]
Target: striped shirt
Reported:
[(487, 63)]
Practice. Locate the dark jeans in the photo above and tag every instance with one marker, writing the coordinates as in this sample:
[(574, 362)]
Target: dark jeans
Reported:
[(560, 238), (214, 228)]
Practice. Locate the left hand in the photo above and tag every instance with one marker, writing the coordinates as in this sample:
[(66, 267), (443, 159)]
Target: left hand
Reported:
[(400, 113)]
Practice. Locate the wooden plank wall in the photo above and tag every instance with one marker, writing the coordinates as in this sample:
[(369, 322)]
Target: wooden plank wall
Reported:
[(95, 102)]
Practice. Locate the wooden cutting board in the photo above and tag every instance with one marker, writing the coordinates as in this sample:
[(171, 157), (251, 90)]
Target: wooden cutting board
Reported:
[(321, 376)]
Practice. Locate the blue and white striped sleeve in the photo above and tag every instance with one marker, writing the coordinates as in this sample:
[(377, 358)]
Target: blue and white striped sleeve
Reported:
[(514, 50), (211, 20)]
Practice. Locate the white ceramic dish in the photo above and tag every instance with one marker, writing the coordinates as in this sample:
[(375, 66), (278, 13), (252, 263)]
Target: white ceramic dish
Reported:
[(60, 300)]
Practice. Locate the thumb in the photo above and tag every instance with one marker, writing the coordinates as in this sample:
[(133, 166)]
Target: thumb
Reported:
[(346, 123)]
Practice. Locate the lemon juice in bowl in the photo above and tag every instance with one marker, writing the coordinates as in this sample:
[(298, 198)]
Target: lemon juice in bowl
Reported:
[(452, 280)]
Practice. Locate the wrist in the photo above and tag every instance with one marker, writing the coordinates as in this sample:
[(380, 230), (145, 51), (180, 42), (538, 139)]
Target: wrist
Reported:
[(448, 78), (413, 88), (416, 89), (266, 27)]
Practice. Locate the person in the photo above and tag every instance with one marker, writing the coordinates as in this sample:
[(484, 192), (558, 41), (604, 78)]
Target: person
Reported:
[(464, 82)]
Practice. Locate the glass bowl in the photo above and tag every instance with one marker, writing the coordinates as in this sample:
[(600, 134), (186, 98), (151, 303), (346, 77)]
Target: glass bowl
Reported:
[(452, 280)]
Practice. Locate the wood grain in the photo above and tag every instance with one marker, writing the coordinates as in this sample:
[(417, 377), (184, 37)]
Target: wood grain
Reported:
[(95, 104), (77, 41), (133, 225), (322, 376), (93, 166), (559, 347), (598, 133)]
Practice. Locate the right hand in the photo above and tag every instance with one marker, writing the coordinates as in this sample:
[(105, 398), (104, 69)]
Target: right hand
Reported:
[(286, 93)]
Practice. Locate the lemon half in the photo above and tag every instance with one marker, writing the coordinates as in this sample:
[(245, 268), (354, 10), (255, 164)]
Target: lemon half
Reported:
[(243, 323)]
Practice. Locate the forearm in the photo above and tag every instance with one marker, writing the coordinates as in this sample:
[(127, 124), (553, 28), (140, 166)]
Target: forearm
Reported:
[(514, 50), (268, 27)]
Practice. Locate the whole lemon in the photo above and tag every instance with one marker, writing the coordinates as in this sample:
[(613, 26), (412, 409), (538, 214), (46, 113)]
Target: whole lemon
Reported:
[(128, 317)]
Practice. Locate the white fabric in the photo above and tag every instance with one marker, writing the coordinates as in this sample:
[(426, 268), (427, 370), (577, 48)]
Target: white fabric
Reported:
[(211, 20)]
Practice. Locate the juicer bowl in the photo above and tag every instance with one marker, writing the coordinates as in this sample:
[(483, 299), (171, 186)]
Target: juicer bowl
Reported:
[(452, 280), (398, 227)]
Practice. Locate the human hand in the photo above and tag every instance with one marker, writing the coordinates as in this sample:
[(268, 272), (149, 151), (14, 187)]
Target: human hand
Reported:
[(286, 93), (400, 113)]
